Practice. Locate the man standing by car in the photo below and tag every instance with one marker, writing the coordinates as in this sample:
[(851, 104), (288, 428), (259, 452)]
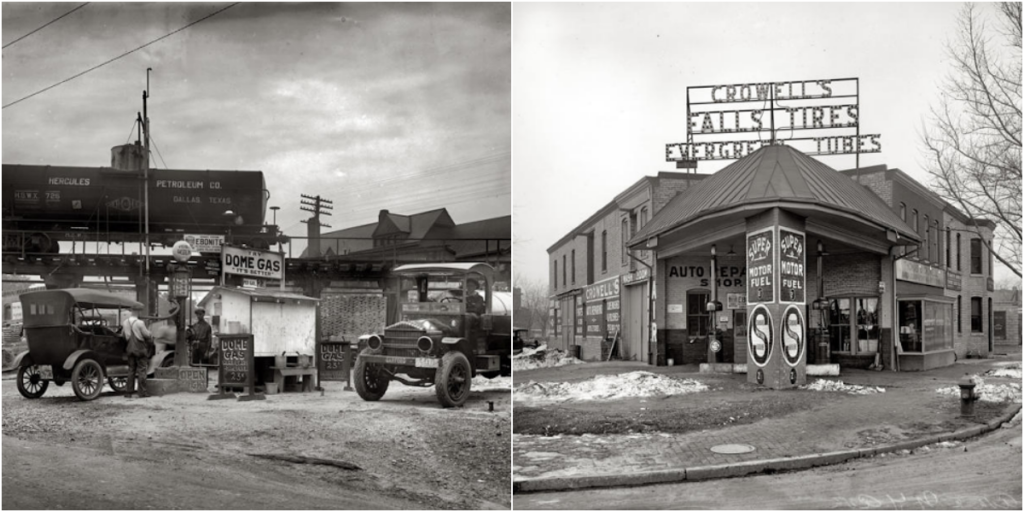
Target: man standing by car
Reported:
[(201, 335), (140, 348)]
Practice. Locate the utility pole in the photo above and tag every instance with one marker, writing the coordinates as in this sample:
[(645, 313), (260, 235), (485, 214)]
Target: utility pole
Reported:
[(150, 303), (317, 206)]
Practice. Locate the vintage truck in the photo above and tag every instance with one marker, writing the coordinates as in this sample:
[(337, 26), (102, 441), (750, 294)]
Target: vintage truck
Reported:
[(448, 332)]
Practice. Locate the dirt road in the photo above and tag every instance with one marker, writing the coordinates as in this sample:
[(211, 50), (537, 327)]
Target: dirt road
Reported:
[(982, 474), (187, 452)]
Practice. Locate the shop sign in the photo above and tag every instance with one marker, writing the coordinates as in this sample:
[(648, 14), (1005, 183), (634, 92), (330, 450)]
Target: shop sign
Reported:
[(579, 319), (761, 267), (729, 276), (602, 290), (914, 272), (990, 284), (595, 319), (611, 319), (953, 280), (331, 361), (205, 243), (792, 327), (249, 262), (637, 276), (791, 266), (734, 300), (675, 308), (761, 338), (732, 121)]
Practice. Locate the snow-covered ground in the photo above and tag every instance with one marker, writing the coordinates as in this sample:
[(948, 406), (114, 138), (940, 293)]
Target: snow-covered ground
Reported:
[(989, 392), (485, 384), (541, 357), (607, 387), (1011, 371), (837, 385)]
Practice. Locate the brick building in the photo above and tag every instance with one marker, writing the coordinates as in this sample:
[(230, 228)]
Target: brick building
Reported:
[(905, 282), (1006, 323), (948, 276), (598, 291)]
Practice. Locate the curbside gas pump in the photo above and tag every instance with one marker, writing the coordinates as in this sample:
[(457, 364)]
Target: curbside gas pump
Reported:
[(968, 395)]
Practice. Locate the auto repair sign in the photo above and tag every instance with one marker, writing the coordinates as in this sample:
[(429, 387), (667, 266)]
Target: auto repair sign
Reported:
[(248, 262)]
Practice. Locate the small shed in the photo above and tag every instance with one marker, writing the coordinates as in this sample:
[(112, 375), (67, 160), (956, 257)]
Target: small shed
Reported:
[(280, 322)]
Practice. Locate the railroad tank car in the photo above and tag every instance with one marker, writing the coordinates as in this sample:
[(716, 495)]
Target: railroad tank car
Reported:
[(55, 199)]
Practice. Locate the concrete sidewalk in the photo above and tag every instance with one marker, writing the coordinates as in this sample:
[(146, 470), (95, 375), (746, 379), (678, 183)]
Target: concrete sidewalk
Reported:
[(909, 414)]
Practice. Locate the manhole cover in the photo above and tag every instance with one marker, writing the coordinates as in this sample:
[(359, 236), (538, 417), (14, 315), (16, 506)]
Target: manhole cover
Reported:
[(732, 448)]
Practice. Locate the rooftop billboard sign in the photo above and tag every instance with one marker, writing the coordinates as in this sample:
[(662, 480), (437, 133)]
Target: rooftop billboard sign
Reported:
[(817, 117)]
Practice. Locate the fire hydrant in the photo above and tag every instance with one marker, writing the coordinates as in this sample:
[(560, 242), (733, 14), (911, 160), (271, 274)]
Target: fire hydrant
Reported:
[(967, 395)]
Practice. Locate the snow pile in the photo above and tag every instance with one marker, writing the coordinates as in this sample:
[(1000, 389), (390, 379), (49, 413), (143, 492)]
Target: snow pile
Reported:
[(607, 387), (1012, 372), (989, 392), (481, 383), (837, 385), (541, 357)]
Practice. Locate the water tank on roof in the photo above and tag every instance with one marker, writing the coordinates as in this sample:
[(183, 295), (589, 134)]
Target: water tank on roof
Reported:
[(129, 157)]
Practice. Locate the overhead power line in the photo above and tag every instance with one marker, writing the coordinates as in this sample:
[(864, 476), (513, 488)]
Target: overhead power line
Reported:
[(46, 25), (125, 54)]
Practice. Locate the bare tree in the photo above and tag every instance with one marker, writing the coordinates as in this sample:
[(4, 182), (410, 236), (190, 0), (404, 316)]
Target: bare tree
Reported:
[(973, 141), (534, 310)]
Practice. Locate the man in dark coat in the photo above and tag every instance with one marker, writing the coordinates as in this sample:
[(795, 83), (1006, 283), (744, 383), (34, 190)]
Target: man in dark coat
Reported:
[(201, 335)]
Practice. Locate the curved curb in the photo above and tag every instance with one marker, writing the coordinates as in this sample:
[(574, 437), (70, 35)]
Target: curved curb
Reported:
[(698, 473)]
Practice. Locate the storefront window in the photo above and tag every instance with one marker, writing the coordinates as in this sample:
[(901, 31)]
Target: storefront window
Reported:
[(697, 317), (938, 333), (910, 325), (839, 325), (925, 325)]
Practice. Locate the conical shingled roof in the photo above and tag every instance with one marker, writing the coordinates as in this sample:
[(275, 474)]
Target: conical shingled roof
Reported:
[(772, 174)]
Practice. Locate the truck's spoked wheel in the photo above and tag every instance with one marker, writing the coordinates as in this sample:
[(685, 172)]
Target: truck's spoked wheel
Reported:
[(370, 380), (453, 380), (30, 382)]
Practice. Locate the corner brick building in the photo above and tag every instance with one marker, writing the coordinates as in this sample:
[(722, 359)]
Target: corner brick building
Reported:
[(905, 281)]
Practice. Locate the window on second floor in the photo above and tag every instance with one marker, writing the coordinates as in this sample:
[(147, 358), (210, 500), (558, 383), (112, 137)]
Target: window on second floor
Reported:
[(604, 251), (573, 272), (976, 256), (903, 212), (564, 283), (625, 238), (949, 239), (554, 274), (927, 240)]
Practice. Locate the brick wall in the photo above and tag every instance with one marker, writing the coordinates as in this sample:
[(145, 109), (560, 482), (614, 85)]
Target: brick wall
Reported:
[(877, 183), (352, 313), (850, 274), (666, 189)]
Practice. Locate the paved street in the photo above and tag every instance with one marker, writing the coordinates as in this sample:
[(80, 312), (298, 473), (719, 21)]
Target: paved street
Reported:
[(985, 476)]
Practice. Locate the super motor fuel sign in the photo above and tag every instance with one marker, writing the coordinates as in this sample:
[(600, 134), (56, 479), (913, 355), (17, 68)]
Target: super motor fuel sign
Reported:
[(248, 262)]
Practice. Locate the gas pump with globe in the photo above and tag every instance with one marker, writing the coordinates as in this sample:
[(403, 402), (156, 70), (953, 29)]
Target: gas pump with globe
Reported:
[(181, 288)]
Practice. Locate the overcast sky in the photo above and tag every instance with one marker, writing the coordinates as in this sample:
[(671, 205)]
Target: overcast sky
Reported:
[(601, 88), (403, 106)]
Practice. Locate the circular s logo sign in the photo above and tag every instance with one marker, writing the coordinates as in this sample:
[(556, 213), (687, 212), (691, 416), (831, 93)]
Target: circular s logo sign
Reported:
[(793, 336), (760, 341)]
